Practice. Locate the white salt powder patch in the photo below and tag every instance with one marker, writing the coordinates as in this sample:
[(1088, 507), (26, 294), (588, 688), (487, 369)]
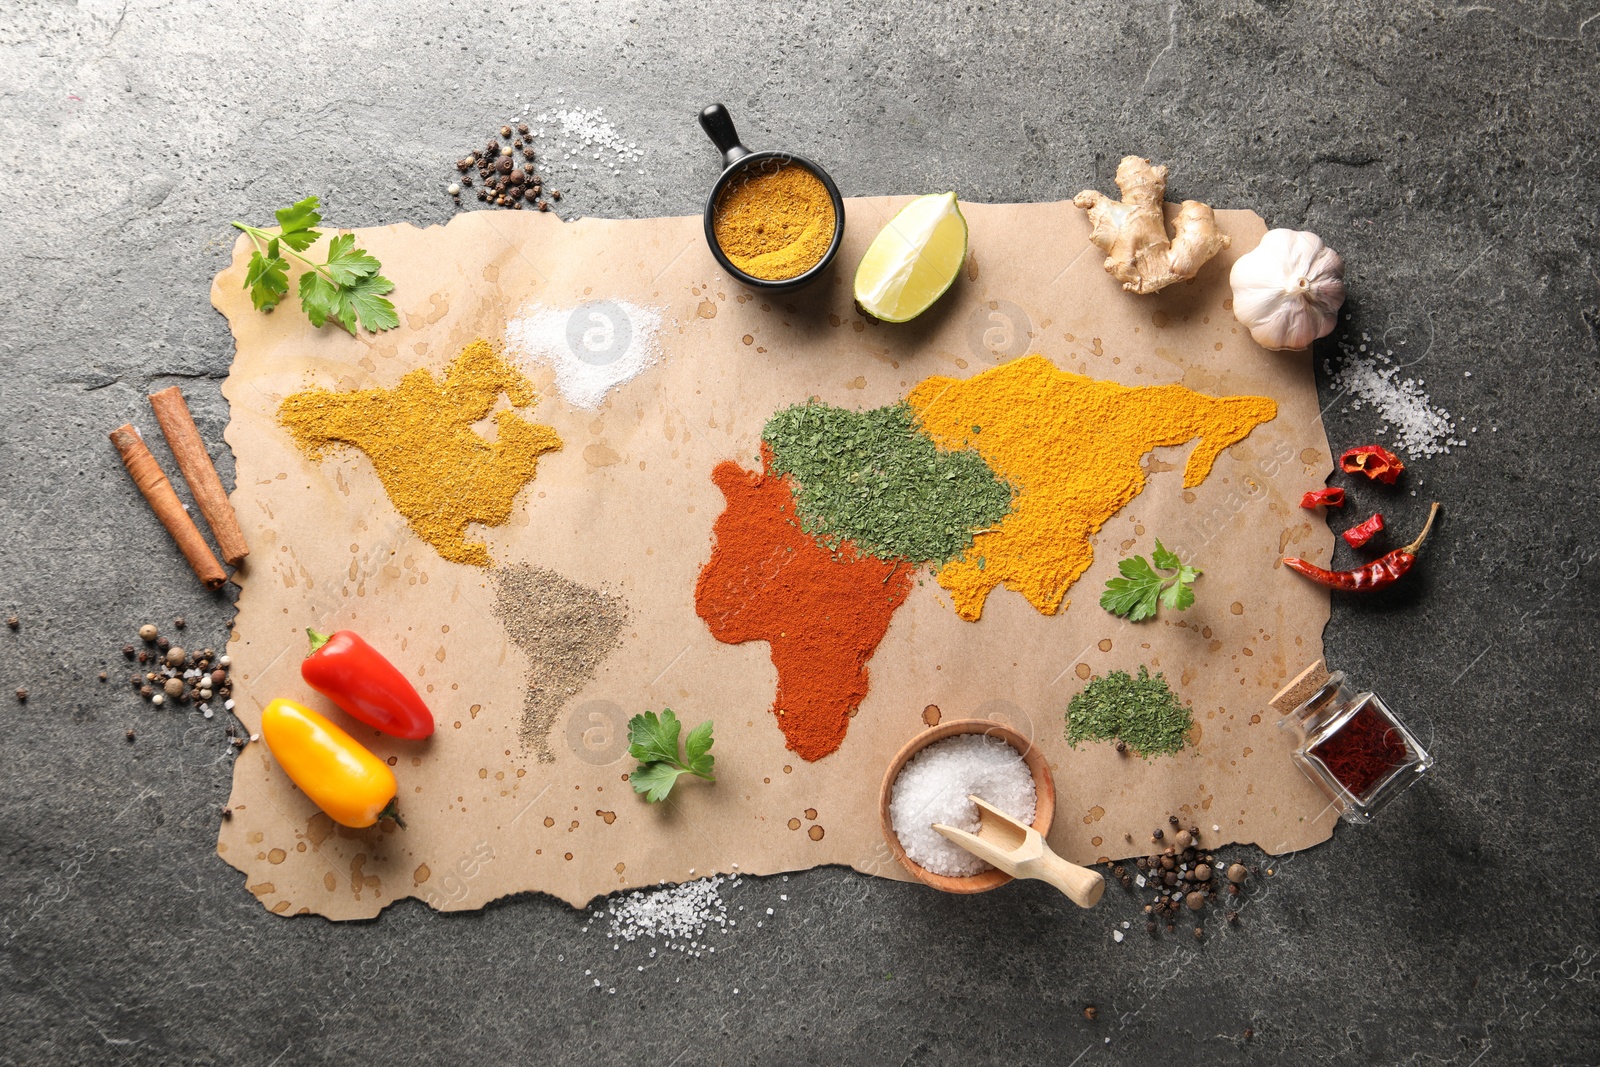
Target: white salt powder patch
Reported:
[(933, 787), (593, 347)]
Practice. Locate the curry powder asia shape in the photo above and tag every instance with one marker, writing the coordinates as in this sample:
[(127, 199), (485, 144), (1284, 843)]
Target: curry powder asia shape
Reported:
[(1071, 446), (438, 472)]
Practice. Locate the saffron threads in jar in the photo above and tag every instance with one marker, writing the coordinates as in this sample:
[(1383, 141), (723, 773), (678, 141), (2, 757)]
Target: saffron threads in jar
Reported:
[(1362, 752), (774, 222), (1353, 746)]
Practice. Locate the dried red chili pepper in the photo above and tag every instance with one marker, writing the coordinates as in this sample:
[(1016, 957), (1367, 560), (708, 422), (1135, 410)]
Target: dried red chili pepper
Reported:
[(1385, 570), (1357, 536), (1332, 497), (1375, 461)]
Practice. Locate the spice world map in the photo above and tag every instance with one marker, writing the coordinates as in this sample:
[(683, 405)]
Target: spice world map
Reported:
[(998, 480), (821, 532)]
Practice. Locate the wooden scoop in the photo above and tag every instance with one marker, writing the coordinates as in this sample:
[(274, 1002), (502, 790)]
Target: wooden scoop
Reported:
[(1020, 851)]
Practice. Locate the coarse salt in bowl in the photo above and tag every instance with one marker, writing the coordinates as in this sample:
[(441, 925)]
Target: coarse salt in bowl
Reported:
[(934, 787), (929, 781)]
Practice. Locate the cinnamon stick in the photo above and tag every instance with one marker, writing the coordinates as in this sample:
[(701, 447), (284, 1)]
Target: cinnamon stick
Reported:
[(168, 508), (172, 412)]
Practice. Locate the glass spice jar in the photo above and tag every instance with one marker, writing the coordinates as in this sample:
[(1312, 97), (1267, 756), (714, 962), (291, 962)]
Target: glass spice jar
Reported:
[(1356, 749)]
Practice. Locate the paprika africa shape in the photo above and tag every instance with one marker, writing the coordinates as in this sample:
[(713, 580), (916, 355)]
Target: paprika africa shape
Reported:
[(804, 559)]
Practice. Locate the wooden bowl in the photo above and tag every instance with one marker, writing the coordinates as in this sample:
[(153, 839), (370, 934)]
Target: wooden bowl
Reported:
[(1044, 803)]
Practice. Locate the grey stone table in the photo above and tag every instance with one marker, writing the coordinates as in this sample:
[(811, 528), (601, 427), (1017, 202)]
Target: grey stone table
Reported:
[(1448, 152)]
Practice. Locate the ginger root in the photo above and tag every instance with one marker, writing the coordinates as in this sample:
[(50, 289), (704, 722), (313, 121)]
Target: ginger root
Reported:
[(1133, 231)]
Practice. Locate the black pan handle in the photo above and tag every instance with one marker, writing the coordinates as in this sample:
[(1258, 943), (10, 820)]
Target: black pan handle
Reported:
[(718, 125)]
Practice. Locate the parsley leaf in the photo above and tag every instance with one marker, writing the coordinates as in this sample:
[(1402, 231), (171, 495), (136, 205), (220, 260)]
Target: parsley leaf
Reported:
[(347, 263), (297, 221), (365, 298), (653, 741), (267, 281), (346, 287), (1142, 587)]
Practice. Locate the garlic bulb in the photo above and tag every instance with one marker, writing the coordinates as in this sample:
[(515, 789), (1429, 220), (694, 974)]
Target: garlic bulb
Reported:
[(1288, 289)]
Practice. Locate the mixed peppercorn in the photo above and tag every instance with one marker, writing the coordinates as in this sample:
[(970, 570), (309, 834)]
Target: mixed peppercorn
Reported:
[(506, 173), (1185, 877), (170, 673)]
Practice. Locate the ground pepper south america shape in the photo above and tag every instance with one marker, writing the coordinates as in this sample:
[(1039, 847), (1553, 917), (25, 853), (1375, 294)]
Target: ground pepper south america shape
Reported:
[(1068, 445)]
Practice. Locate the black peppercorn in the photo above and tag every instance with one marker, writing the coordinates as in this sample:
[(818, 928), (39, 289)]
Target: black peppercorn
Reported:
[(556, 195), (543, 206), (127, 650), (163, 644), (13, 622), (522, 127), (1159, 834), (466, 180), (227, 813), (1122, 746), (22, 694), (1150, 926)]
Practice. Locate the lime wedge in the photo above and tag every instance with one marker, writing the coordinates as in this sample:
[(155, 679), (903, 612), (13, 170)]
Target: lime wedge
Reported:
[(913, 260)]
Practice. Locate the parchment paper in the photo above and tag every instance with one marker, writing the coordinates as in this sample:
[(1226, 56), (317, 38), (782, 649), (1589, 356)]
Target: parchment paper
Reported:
[(628, 504)]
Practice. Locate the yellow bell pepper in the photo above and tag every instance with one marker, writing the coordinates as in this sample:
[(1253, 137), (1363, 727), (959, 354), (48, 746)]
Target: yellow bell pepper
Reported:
[(354, 787)]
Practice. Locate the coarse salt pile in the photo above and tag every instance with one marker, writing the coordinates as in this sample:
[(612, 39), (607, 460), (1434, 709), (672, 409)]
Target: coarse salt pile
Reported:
[(678, 915), (1373, 379), (593, 347), (933, 788), (584, 136)]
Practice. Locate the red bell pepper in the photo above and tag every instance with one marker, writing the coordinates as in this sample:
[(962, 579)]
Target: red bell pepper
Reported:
[(355, 676), (1375, 461), (1357, 536), (1332, 497)]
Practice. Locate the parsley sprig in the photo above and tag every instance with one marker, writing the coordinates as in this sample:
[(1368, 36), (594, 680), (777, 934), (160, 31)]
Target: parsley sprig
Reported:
[(346, 287), (1142, 587), (653, 741)]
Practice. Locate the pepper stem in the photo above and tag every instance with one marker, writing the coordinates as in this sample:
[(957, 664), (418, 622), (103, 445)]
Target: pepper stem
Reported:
[(1423, 536), (391, 810), (317, 640)]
